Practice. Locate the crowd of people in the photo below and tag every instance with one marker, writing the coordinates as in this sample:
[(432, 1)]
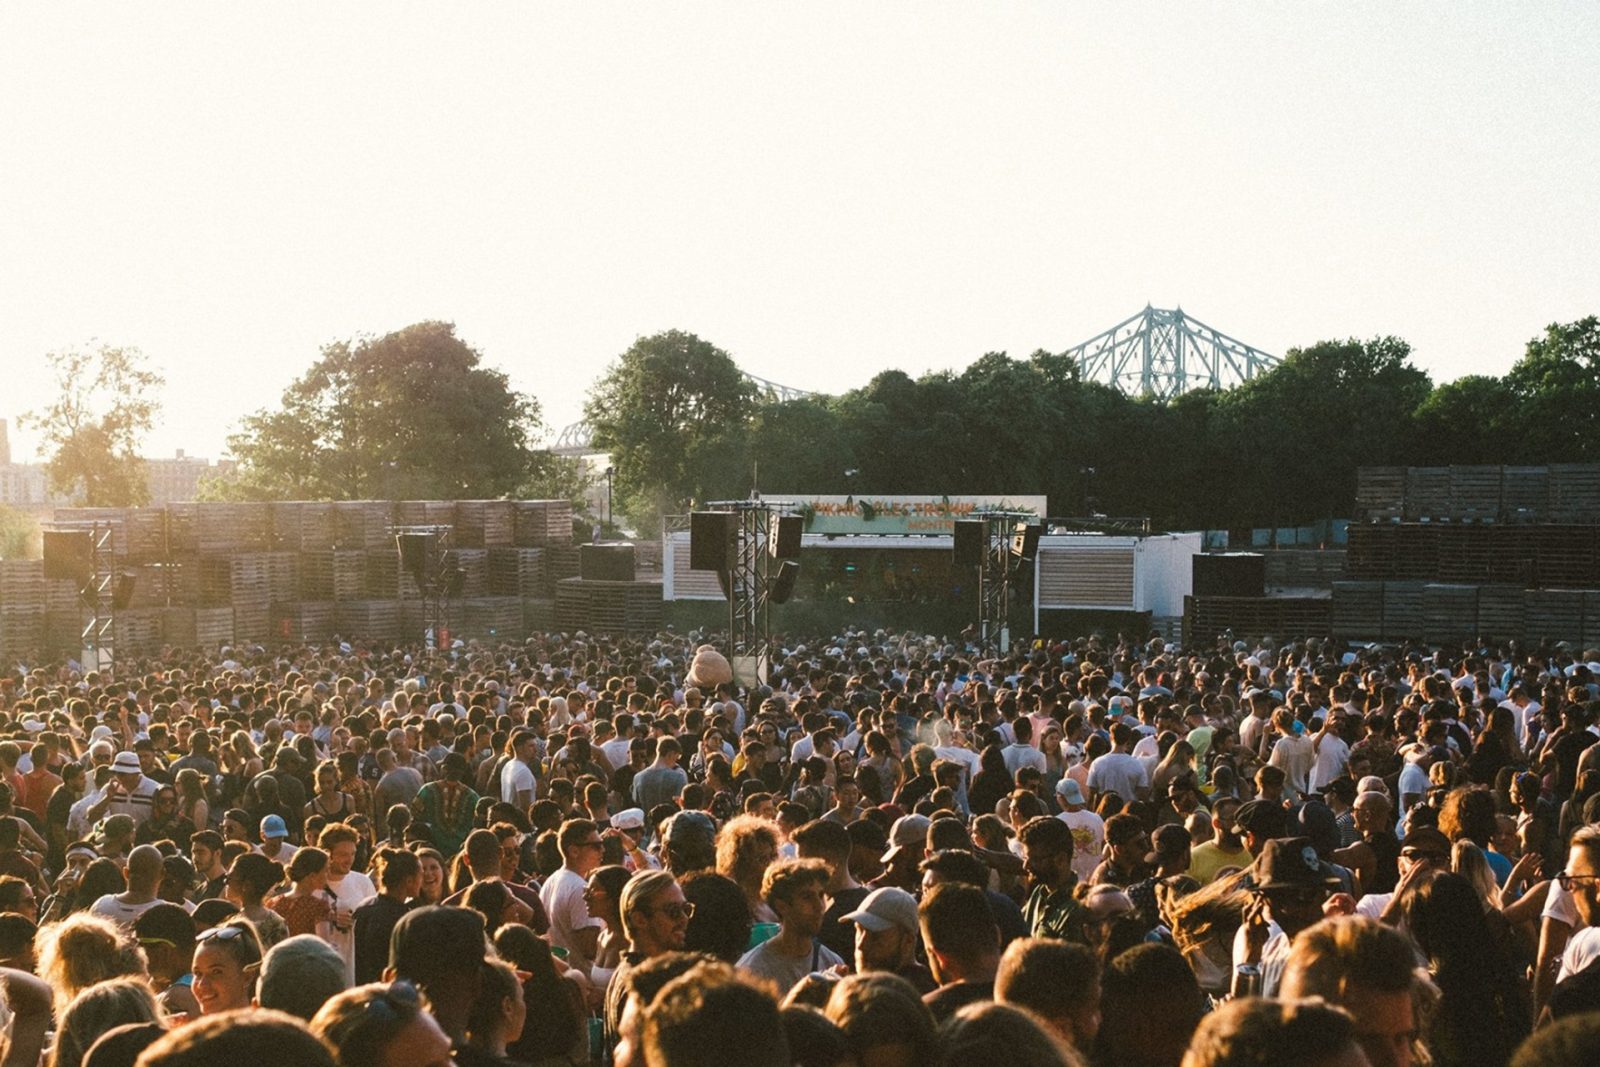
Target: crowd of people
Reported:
[(895, 851)]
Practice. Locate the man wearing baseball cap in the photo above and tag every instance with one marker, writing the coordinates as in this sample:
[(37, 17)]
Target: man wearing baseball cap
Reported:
[(629, 825), (1088, 829), (886, 937), (275, 840), (1291, 886), (908, 841)]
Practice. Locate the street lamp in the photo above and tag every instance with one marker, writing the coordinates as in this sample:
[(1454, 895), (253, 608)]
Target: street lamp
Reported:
[(610, 470)]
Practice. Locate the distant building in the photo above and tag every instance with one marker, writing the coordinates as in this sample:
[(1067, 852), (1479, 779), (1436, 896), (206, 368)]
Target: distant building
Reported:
[(179, 478), (170, 480)]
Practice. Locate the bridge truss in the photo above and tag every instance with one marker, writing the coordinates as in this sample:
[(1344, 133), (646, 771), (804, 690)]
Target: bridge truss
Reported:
[(1163, 353), (577, 439)]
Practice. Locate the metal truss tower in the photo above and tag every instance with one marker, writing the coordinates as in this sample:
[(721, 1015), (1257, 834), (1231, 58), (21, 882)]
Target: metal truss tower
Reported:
[(99, 600), (1163, 353), (748, 582), (994, 578), (435, 579)]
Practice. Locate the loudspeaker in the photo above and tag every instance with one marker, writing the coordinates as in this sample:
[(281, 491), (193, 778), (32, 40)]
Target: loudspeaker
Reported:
[(971, 541), (69, 554), (709, 534), (782, 587), (416, 553), (1230, 574), (1025, 541), (605, 563), (784, 540), (122, 591)]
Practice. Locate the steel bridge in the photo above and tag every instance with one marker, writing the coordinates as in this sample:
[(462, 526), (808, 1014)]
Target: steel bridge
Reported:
[(1163, 353), (1158, 353)]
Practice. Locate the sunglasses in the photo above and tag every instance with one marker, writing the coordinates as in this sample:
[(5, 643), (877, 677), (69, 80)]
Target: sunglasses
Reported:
[(674, 911), (1569, 882)]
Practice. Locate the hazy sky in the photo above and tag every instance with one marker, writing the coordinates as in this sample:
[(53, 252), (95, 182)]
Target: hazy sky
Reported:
[(824, 190)]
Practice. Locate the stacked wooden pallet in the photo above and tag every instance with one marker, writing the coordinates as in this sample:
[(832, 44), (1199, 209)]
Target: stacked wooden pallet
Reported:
[(1427, 492), (474, 565), (368, 620), (542, 522), (1449, 612), (22, 606), (425, 513), (1574, 492), (1555, 614), (333, 574), (608, 607), (138, 630), (485, 523), (1502, 611), (516, 571), (1299, 568), (204, 628), (1475, 493), (538, 615), (1404, 617), (1524, 494), (304, 621), (1381, 493), (560, 563), (488, 618), (363, 524), (1357, 612), (1208, 617), (303, 525)]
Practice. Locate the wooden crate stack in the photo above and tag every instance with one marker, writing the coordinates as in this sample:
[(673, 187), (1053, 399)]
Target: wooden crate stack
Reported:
[(1475, 494), (1380, 493), (22, 606), (485, 523), (1502, 611), (1205, 618), (489, 618), (1575, 492), (213, 573), (368, 620), (474, 564), (302, 525), (516, 571), (363, 524), (1524, 494), (1449, 612), (1555, 614), (542, 522), (608, 607), (1357, 612), (333, 574), (190, 627), (311, 621), (139, 631), (1403, 612)]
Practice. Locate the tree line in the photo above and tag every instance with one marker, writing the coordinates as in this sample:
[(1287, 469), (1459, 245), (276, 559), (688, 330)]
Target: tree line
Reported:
[(416, 414)]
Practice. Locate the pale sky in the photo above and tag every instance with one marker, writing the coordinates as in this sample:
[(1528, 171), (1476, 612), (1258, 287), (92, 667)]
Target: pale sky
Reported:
[(825, 190)]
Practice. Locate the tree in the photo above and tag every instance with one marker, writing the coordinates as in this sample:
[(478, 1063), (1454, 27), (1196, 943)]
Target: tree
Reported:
[(106, 403), (409, 415), (672, 411), (1557, 387), (1470, 420)]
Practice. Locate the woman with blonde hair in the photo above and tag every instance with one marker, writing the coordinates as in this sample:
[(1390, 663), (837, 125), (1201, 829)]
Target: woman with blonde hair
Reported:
[(240, 758), (101, 1007), (746, 847), (84, 950), (1468, 860), (192, 802)]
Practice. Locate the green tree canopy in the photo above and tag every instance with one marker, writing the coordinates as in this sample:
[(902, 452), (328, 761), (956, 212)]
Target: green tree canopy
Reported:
[(410, 415), (673, 411), (104, 406), (1557, 387)]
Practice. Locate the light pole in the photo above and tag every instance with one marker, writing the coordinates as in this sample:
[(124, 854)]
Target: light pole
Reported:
[(610, 470)]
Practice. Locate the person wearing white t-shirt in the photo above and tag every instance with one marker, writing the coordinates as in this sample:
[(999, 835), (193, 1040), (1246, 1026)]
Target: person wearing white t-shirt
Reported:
[(1117, 771), (1293, 754), (517, 782), (1088, 829), (1574, 903), (347, 890), (1332, 751), (571, 926), (1021, 753), (144, 880)]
